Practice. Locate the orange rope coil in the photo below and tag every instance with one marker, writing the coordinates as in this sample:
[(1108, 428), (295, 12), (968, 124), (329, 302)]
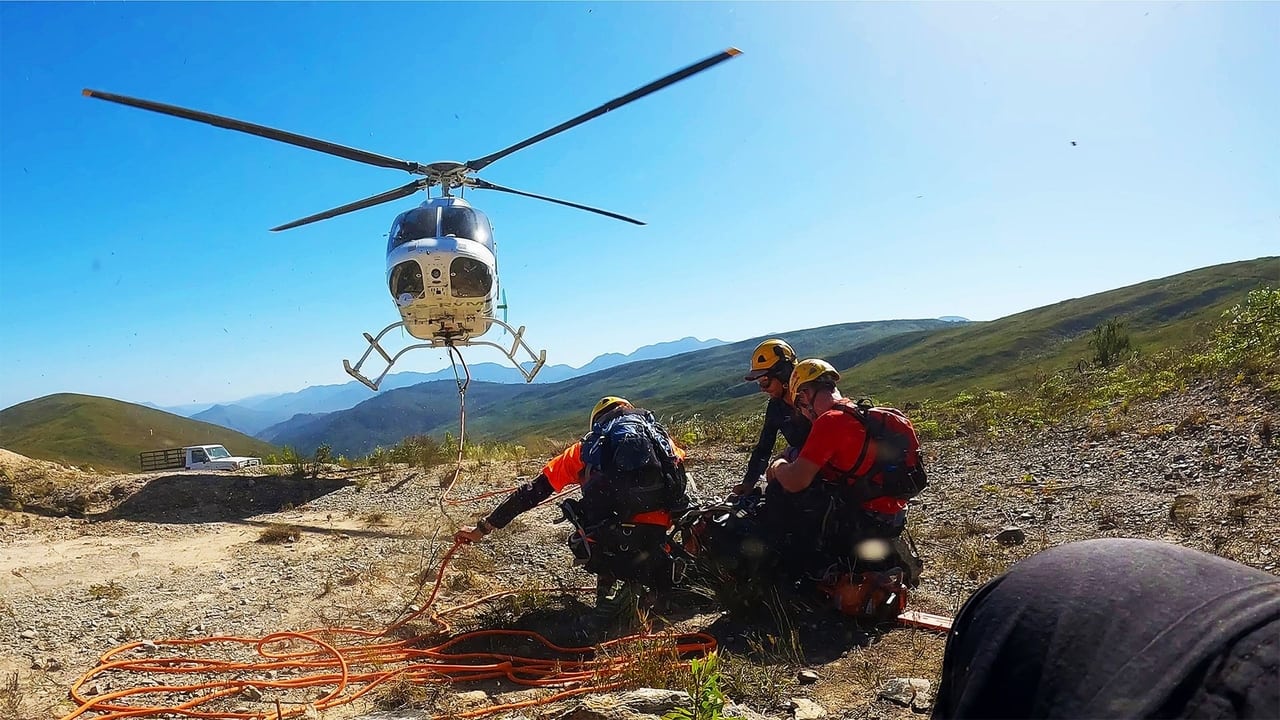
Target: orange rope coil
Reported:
[(343, 664)]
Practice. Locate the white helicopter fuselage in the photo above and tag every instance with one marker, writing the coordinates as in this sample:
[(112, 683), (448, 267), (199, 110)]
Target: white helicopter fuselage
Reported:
[(442, 273), (442, 270), (457, 288)]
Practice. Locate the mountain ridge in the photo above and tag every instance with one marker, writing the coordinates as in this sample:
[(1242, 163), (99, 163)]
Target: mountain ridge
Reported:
[(255, 415), (896, 361)]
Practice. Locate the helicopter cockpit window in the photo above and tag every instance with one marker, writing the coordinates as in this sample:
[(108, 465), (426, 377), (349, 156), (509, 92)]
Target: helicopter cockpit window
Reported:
[(406, 278), (415, 224), (464, 222), (469, 278)]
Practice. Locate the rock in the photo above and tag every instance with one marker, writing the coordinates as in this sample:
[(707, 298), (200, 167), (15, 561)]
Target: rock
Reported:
[(805, 709), (654, 700), (471, 700), (807, 677), (642, 704), (27, 634), (914, 693), (1011, 535), (743, 712), (1184, 507), (250, 692)]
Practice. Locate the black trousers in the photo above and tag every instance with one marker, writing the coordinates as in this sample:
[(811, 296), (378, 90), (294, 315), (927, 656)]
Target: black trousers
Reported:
[(632, 552), (1117, 628)]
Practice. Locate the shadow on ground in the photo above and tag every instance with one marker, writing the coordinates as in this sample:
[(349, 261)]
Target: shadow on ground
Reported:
[(794, 630), (189, 498)]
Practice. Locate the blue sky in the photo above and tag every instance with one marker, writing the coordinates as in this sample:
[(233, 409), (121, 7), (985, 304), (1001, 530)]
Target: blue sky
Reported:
[(857, 162)]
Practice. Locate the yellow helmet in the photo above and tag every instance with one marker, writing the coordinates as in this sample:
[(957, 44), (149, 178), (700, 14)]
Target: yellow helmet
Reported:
[(812, 370), (768, 355), (606, 404)]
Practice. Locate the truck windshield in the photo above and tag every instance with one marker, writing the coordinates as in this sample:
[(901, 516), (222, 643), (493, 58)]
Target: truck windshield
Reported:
[(217, 451)]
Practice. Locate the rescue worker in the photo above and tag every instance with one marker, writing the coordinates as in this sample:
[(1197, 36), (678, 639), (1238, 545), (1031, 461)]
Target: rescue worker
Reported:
[(622, 548), (818, 477), (834, 444), (1116, 628), (771, 364)]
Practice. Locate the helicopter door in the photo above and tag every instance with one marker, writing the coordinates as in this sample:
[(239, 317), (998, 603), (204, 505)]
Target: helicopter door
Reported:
[(469, 278)]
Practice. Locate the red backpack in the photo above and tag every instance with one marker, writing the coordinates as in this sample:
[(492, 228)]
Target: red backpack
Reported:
[(897, 459)]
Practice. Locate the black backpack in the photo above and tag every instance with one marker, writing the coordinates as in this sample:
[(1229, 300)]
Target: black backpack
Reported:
[(631, 468)]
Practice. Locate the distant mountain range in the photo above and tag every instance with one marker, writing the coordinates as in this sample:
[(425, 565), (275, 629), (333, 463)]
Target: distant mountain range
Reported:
[(256, 414)]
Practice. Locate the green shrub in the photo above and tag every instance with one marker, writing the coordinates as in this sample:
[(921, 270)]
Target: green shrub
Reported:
[(707, 700), (1109, 342)]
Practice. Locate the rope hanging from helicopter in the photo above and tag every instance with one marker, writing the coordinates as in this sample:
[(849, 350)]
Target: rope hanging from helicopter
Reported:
[(463, 381)]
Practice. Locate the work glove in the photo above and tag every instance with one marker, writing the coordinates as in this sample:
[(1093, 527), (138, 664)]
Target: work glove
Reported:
[(472, 534)]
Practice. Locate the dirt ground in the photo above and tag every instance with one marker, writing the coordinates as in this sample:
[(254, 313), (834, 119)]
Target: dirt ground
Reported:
[(189, 555)]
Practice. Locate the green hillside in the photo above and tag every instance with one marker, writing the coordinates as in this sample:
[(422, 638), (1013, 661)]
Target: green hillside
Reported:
[(895, 361), (998, 354), (681, 384), (106, 434)]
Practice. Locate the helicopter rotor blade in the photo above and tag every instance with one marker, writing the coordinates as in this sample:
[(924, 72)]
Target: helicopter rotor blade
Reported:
[(388, 196), (486, 185), (270, 133), (677, 76)]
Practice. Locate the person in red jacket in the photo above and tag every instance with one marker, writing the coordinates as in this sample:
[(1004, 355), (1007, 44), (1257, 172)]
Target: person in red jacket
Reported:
[(645, 560), (825, 512)]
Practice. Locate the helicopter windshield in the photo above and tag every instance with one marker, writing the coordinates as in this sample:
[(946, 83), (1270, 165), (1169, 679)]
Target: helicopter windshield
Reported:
[(469, 277), (464, 222), (456, 221), (414, 224)]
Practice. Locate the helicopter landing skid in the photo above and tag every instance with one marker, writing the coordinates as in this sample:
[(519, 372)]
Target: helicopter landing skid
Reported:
[(517, 343)]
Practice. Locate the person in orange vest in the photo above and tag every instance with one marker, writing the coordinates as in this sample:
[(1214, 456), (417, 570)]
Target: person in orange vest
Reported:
[(622, 521), (821, 477), (771, 364)]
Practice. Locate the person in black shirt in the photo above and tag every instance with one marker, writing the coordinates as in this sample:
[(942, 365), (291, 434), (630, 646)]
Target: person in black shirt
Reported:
[(771, 364), (1116, 628)]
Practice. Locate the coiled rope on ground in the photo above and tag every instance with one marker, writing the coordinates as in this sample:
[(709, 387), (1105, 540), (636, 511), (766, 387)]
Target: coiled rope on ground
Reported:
[(338, 665)]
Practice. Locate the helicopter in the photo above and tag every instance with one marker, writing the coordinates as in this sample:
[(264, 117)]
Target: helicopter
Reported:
[(441, 257)]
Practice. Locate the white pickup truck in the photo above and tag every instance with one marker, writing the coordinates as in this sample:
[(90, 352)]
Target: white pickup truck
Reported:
[(194, 457)]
